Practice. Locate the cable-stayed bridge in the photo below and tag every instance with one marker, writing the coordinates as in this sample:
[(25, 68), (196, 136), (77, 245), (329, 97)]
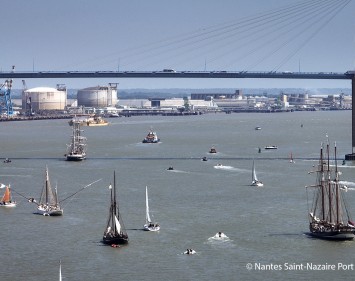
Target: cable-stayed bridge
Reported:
[(169, 73)]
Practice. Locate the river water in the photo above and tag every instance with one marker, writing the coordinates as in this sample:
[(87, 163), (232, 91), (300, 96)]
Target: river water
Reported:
[(265, 225)]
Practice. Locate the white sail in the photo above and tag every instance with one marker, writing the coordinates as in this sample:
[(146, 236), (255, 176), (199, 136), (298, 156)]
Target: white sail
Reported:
[(147, 217), (118, 225), (60, 272), (254, 178)]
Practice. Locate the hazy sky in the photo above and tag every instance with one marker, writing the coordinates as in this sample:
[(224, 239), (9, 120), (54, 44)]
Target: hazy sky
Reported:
[(251, 35)]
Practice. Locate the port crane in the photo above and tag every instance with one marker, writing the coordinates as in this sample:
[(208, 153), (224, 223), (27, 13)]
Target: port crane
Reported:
[(5, 98)]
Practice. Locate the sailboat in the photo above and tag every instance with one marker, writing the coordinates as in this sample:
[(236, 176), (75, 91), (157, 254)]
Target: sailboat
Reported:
[(6, 200), (115, 232), (60, 272), (48, 204), (149, 225), (291, 158), (254, 179), (77, 147), (329, 217)]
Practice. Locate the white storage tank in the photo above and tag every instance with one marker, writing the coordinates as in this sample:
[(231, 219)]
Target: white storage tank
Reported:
[(99, 96), (45, 98)]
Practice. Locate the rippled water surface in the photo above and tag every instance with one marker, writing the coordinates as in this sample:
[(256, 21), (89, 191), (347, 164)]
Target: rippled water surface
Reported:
[(194, 201)]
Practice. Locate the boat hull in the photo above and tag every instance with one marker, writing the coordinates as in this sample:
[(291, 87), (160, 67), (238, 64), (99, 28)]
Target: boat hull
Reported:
[(333, 235), (150, 141), (146, 227), (8, 205), (76, 157), (117, 240), (50, 213)]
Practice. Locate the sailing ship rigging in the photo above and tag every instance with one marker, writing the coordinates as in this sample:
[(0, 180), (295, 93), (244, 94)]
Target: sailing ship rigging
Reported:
[(77, 147), (149, 224), (6, 200), (254, 179), (329, 217), (115, 232), (48, 204)]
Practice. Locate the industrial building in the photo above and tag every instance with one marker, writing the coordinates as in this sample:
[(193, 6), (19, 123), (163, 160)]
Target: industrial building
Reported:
[(98, 96), (44, 98)]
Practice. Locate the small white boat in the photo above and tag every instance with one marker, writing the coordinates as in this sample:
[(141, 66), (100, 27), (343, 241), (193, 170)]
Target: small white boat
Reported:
[(189, 252), (254, 180), (257, 128), (149, 224), (220, 235), (270, 147), (7, 200)]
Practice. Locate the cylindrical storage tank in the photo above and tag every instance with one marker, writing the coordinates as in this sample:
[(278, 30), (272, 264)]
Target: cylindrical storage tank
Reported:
[(44, 98), (99, 96)]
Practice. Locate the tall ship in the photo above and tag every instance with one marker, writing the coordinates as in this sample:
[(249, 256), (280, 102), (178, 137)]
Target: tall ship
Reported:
[(329, 216), (115, 232), (77, 148)]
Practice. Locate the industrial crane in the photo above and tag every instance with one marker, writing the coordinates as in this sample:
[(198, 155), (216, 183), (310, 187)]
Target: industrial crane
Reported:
[(5, 98)]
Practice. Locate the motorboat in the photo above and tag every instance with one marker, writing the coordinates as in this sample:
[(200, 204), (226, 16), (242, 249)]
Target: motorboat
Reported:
[(151, 137), (270, 147)]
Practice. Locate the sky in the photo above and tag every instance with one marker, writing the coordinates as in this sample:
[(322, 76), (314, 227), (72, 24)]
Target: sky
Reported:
[(185, 35)]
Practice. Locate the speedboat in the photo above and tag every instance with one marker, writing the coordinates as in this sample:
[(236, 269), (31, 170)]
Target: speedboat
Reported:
[(213, 150), (220, 235), (271, 147), (190, 252)]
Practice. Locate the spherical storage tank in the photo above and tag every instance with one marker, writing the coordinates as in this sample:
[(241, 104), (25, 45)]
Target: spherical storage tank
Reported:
[(45, 98), (99, 96)]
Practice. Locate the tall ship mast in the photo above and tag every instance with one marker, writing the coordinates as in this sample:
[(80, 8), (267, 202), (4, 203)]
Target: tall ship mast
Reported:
[(77, 147), (115, 232), (329, 217)]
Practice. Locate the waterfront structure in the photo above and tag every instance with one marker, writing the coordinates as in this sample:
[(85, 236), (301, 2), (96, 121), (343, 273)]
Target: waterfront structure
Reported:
[(45, 98), (98, 96), (208, 96)]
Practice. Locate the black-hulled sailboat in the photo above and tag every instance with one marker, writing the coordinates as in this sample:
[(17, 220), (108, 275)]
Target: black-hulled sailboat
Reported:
[(115, 233), (329, 217)]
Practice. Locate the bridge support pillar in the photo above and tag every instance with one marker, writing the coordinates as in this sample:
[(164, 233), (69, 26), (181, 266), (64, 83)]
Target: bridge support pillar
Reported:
[(352, 155)]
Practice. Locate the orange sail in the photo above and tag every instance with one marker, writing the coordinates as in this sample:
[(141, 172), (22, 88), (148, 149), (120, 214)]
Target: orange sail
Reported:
[(7, 196)]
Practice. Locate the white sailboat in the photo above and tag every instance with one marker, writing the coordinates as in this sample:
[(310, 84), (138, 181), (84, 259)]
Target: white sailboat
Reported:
[(254, 180), (149, 225), (60, 272)]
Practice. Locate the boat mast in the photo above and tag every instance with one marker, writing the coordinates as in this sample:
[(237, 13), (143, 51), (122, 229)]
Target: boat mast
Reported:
[(113, 203), (336, 183), (329, 186), (322, 180), (47, 185)]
